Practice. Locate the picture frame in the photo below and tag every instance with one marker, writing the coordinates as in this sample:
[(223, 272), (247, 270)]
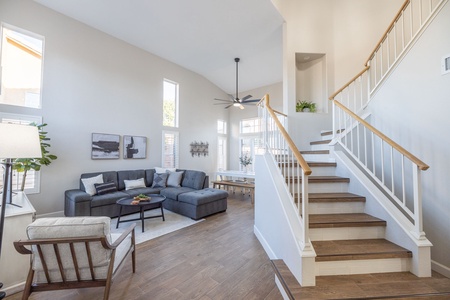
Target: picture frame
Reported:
[(134, 147), (105, 146)]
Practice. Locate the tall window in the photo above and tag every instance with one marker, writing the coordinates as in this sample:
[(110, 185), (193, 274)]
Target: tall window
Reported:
[(32, 179), (170, 149), (170, 103), (21, 67), (250, 138), (221, 145)]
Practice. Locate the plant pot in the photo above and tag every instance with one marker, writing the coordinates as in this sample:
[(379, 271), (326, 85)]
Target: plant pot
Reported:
[(306, 110)]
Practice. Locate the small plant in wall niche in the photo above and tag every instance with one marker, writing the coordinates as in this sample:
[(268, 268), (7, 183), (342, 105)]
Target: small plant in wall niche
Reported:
[(305, 106)]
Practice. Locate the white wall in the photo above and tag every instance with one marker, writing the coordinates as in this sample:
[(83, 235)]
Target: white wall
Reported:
[(412, 108), (96, 83), (346, 32)]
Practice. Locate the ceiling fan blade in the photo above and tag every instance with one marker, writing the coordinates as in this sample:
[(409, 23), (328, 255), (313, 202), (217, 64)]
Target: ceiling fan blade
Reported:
[(223, 100), (231, 97), (251, 101), (246, 97), (228, 106), (228, 102)]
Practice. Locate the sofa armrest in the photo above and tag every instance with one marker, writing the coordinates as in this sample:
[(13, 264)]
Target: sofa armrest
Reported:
[(77, 203)]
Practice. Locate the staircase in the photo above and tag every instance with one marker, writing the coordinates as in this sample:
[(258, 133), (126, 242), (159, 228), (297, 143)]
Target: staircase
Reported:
[(346, 239)]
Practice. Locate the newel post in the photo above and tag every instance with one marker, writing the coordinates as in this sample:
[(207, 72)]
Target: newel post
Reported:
[(418, 212)]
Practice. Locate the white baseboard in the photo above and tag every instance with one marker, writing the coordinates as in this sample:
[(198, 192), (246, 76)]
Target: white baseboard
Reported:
[(264, 243), (281, 289), (55, 214), (444, 270), (13, 289)]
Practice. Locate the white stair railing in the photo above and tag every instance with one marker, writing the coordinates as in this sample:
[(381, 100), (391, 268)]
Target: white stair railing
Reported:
[(397, 171), (291, 163)]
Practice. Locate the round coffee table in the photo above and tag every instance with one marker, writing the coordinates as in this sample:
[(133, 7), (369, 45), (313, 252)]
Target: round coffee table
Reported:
[(155, 202)]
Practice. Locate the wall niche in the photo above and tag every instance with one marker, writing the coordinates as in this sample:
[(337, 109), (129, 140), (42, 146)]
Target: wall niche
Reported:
[(311, 79)]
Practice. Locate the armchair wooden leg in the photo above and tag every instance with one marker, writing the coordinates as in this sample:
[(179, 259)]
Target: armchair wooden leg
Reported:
[(27, 288)]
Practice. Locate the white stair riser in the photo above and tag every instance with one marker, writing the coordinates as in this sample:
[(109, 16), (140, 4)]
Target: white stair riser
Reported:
[(347, 267), (320, 147), (336, 207), (318, 157), (328, 187), (347, 233), (316, 171)]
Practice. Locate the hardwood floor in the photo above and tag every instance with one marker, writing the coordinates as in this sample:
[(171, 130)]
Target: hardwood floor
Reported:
[(219, 258)]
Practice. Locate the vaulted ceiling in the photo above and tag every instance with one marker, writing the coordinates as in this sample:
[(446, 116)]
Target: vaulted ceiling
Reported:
[(201, 35)]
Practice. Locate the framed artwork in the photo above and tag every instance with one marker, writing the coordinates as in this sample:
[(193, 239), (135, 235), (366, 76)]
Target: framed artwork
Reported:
[(134, 146), (199, 149), (105, 146)]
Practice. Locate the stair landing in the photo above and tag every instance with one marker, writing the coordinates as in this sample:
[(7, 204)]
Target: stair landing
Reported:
[(398, 285)]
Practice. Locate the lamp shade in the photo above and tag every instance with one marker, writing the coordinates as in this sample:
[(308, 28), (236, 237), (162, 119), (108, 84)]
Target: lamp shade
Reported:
[(19, 141)]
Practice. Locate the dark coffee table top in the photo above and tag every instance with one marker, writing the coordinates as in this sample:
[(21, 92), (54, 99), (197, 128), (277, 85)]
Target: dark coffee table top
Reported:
[(154, 199)]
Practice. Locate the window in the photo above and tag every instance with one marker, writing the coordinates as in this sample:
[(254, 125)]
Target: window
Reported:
[(250, 126), (170, 151), (170, 103), (21, 59), (32, 179), (250, 139), (222, 145)]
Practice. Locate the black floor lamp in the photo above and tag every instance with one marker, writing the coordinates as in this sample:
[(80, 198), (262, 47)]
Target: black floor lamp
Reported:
[(16, 141)]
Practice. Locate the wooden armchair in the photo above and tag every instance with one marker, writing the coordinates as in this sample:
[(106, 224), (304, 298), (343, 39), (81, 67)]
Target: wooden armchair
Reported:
[(74, 252)]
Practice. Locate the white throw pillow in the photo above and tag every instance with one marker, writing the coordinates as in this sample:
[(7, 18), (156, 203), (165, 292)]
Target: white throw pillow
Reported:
[(164, 170), (89, 184), (174, 179), (134, 184)]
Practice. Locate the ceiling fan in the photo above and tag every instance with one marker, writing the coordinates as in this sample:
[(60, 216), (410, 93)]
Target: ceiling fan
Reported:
[(235, 101)]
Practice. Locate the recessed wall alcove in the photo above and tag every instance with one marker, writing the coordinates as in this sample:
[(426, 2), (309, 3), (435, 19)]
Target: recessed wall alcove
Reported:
[(311, 79)]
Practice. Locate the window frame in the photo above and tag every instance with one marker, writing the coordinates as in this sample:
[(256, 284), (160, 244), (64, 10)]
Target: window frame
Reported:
[(32, 35), (176, 155), (177, 100), (222, 136)]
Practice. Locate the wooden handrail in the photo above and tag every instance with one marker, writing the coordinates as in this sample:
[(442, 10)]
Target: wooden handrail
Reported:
[(348, 83), (422, 166), (391, 25), (303, 164)]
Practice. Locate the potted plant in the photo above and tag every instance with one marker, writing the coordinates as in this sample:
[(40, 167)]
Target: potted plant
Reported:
[(245, 160), (305, 106), (26, 164)]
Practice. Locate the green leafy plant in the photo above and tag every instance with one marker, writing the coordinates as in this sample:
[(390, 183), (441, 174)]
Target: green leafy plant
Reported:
[(245, 160), (301, 105), (26, 164)]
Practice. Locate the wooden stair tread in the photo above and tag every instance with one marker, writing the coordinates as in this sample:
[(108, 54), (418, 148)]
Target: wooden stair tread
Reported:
[(358, 249), (321, 142), (344, 220), (310, 163), (320, 179), (315, 152), (335, 197)]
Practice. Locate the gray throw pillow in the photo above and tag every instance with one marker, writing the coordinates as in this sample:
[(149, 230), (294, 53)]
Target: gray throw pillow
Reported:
[(160, 180), (105, 188), (174, 179)]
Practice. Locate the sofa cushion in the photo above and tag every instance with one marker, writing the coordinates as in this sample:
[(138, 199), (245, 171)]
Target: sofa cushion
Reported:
[(89, 184), (164, 170), (149, 173), (174, 192), (107, 199), (105, 188), (193, 179), (129, 175), (199, 197), (146, 191), (107, 177), (160, 180), (174, 179), (134, 184)]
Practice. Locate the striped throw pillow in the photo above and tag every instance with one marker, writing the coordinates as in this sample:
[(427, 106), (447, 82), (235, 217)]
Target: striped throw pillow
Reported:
[(105, 188)]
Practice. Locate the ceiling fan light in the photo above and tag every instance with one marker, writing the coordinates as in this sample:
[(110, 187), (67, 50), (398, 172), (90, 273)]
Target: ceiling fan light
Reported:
[(236, 104)]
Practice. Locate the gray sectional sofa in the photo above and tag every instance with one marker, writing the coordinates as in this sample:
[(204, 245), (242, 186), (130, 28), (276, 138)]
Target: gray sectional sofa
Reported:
[(190, 197)]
